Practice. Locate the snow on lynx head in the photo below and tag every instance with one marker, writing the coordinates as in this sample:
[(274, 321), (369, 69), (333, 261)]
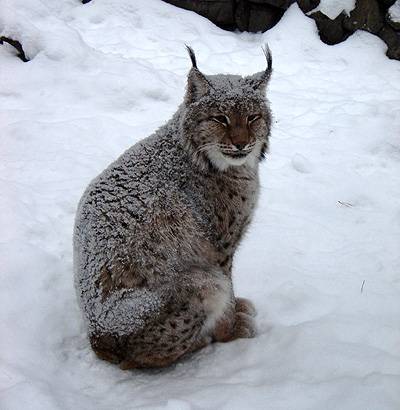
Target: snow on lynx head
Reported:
[(226, 118)]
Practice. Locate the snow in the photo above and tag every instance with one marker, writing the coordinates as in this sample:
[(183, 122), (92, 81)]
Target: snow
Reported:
[(394, 12), (332, 8), (321, 261)]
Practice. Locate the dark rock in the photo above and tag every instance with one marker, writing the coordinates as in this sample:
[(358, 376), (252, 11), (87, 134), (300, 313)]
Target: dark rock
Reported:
[(282, 4), (365, 16), (220, 12), (392, 40), (307, 5), (330, 31), (386, 3), (263, 17), (242, 15), (85, 1)]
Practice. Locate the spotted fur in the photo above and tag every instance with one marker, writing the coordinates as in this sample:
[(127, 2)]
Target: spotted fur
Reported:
[(156, 232)]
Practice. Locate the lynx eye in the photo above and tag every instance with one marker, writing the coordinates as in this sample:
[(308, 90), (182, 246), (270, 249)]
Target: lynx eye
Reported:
[(222, 119), (253, 117)]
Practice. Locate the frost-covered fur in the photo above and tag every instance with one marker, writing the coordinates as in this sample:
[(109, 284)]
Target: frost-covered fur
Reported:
[(156, 232)]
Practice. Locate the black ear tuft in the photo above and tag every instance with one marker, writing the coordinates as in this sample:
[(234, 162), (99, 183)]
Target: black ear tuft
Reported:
[(268, 56), (191, 55), (265, 76), (260, 80), (263, 152), (197, 85)]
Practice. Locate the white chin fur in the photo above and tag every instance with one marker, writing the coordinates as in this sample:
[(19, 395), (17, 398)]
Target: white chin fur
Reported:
[(223, 162)]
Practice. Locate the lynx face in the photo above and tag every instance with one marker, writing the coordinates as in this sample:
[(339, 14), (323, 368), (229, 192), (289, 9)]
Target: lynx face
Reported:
[(227, 121)]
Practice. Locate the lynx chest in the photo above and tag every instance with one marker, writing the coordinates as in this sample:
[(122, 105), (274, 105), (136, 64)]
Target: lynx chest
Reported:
[(231, 205)]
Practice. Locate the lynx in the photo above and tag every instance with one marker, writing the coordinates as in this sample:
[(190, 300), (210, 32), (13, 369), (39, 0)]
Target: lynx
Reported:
[(156, 232)]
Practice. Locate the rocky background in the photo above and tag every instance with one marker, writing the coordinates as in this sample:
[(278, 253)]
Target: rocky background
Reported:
[(260, 15), (379, 17)]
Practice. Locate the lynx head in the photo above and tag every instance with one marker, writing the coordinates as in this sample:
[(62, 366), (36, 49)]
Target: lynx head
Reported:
[(226, 120)]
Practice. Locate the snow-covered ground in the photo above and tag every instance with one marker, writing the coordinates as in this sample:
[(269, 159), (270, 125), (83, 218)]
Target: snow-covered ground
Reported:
[(321, 261)]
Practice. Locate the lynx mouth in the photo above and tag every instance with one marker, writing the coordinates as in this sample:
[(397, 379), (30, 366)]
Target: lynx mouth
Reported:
[(236, 154)]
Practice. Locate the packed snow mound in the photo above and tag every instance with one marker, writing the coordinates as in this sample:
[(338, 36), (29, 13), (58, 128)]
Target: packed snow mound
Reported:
[(394, 12), (332, 8), (321, 261)]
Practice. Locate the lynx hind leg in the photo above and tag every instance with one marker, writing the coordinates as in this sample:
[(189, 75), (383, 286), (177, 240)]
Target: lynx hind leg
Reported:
[(164, 342), (108, 347), (182, 330)]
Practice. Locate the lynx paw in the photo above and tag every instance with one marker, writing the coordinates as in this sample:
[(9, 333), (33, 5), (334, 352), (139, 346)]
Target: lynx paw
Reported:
[(244, 326), (244, 305)]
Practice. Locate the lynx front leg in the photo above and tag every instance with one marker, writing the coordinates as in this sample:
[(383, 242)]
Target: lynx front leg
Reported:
[(244, 325), (244, 305), (234, 325)]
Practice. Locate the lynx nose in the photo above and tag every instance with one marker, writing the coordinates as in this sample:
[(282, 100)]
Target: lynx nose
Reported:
[(240, 146)]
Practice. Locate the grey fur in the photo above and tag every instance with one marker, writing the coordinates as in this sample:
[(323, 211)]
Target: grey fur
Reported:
[(156, 232)]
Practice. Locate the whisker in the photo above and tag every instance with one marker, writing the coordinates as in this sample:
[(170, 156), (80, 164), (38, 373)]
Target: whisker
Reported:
[(206, 146)]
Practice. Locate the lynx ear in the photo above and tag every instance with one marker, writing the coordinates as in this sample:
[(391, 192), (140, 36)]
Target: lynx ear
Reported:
[(260, 80), (197, 85)]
